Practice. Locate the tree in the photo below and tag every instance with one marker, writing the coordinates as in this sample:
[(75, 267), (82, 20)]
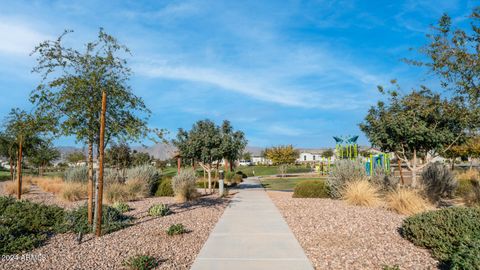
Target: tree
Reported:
[(413, 125), (72, 86), (25, 129), (75, 157), (43, 155), (453, 54), (118, 156), (328, 153), (8, 150), (247, 156), (141, 158), (203, 143), (281, 155), (233, 143)]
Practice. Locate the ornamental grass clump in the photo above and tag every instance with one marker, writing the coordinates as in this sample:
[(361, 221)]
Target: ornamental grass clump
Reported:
[(407, 202), (343, 172), (165, 189), (176, 229), (141, 262), (361, 193), (72, 192), (76, 174), (10, 187), (184, 185)]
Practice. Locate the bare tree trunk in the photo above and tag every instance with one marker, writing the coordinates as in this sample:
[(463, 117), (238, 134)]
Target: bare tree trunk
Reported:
[(209, 172), (399, 162), (11, 169), (90, 182), (414, 169), (98, 232), (19, 169), (453, 164)]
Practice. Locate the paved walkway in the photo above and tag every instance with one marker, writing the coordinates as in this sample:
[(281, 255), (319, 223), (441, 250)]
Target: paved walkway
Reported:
[(251, 234)]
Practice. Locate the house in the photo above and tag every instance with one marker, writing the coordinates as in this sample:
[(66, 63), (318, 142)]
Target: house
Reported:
[(312, 156)]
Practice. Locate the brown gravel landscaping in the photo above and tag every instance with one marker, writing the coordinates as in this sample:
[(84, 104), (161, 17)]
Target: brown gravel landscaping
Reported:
[(146, 236), (335, 235)]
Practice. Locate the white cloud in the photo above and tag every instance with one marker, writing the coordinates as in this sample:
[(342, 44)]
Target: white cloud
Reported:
[(18, 38), (280, 129)]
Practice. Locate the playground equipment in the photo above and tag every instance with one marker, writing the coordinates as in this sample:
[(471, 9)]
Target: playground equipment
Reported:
[(346, 147), (377, 161), (324, 166)]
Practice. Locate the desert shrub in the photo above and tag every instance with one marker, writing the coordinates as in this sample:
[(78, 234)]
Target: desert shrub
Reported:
[(137, 189), (438, 181), (72, 191), (165, 189), (76, 174), (448, 233), (121, 206), (25, 225), (361, 193), (176, 229), (112, 176), (388, 267), (184, 185), (10, 187), (159, 210), (148, 174), (237, 178), (76, 220), (343, 172), (141, 262), (469, 175), (311, 189), (469, 187), (384, 180), (406, 202)]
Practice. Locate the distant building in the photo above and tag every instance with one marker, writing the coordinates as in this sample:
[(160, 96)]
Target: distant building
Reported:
[(312, 156)]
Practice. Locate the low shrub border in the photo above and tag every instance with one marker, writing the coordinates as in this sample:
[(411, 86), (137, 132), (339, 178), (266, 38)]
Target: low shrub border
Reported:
[(311, 189)]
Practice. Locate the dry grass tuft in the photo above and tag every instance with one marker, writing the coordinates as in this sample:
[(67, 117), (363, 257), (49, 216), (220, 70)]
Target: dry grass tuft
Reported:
[(10, 187), (52, 185), (361, 193), (136, 189), (469, 175), (407, 202), (116, 192), (72, 192)]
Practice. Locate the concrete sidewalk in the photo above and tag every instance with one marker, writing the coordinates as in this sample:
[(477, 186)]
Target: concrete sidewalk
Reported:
[(251, 234)]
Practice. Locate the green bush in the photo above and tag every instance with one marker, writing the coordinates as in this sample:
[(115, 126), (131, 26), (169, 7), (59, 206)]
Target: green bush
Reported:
[(25, 225), (122, 207), (165, 189), (176, 229), (76, 174), (448, 233), (76, 220), (229, 176), (141, 262), (242, 174), (159, 210), (311, 189), (147, 174)]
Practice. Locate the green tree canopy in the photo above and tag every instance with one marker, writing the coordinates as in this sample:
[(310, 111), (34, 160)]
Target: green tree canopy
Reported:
[(119, 156), (233, 143), (420, 123), (43, 155), (75, 157)]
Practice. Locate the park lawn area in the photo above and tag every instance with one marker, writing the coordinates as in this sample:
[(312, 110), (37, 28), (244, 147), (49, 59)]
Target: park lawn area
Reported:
[(286, 183), (4, 175), (270, 170)]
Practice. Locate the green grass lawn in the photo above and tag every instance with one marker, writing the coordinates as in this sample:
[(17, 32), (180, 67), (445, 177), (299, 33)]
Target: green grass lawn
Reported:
[(285, 183), (271, 170), (4, 175)]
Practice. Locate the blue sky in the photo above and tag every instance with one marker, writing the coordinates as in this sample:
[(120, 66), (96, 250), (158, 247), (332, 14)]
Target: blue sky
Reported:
[(285, 72)]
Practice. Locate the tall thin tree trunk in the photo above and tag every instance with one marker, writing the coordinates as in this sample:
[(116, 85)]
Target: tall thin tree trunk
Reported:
[(11, 169), (453, 164), (90, 182), (209, 172), (414, 168), (399, 162), (19, 170), (231, 166), (99, 205)]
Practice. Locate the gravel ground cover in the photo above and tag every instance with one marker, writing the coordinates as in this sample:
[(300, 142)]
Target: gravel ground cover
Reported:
[(147, 236), (335, 235)]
